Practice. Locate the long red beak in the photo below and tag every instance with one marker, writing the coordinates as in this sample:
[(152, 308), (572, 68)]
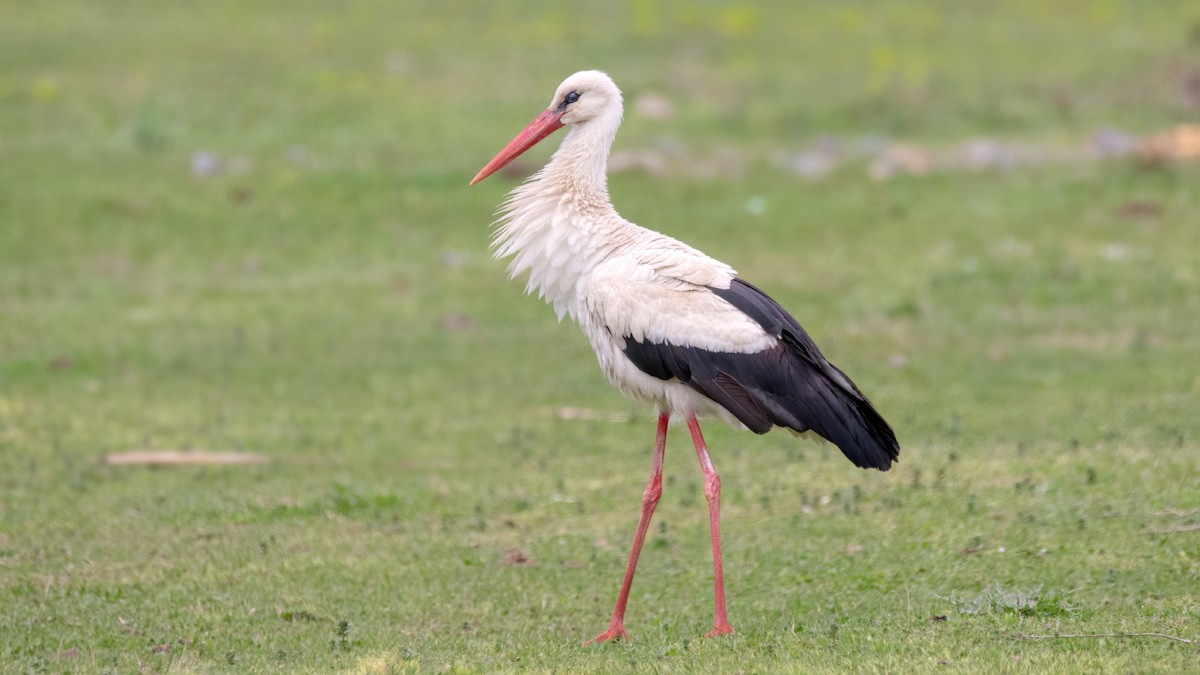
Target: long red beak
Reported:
[(542, 126)]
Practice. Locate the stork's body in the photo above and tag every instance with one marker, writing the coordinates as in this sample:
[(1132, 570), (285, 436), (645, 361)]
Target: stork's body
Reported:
[(669, 325)]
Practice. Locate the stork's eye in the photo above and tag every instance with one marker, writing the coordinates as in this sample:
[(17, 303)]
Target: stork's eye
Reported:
[(571, 98)]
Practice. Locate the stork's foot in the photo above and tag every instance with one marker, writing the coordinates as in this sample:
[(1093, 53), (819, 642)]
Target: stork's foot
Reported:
[(725, 629), (614, 632)]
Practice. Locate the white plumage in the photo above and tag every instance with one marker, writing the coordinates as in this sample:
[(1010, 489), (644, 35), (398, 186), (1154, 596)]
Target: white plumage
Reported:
[(613, 277), (669, 324)]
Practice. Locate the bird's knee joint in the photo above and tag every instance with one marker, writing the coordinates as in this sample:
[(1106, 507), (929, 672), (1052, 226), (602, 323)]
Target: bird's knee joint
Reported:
[(712, 487), (651, 496)]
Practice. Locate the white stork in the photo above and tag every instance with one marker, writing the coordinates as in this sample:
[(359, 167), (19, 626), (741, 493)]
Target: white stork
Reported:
[(670, 325)]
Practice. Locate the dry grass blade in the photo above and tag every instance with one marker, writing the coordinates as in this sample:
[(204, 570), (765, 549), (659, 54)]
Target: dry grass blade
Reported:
[(181, 458), (1065, 636), (1176, 529)]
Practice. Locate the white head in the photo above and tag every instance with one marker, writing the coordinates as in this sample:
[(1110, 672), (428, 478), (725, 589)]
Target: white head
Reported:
[(581, 98), (584, 96)]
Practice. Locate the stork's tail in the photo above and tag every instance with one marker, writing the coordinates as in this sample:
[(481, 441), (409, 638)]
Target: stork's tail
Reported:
[(843, 416)]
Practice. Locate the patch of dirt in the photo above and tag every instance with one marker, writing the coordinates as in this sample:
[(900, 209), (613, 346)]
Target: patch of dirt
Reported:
[(517, 558)]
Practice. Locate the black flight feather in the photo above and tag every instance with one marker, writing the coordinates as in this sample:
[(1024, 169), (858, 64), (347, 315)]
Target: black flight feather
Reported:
[(790, 385)]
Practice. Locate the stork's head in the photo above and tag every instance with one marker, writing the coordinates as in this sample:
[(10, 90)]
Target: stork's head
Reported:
[(581, 98), (584, 96)]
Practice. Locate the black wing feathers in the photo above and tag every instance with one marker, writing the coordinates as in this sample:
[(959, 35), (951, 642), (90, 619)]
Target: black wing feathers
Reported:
[(790, 385)]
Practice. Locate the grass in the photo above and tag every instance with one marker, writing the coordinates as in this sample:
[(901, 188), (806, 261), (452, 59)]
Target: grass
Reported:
[(326, 298)]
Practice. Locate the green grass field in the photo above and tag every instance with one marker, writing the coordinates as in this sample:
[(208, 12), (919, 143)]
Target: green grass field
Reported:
[(236, 227)]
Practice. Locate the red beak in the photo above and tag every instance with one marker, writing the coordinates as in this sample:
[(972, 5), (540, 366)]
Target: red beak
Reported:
[(542, 126)]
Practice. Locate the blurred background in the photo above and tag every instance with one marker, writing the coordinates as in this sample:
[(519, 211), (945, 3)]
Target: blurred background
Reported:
[(246, 227)]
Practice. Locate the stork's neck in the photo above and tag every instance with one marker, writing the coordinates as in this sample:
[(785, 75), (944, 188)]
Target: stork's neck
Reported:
[(580, 165), (560, 222)]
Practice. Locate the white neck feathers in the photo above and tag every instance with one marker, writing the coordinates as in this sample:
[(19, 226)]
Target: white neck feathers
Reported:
[(560, 223)]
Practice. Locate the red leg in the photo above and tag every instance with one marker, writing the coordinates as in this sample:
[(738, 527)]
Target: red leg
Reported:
[(616, 627), (712, 492)]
